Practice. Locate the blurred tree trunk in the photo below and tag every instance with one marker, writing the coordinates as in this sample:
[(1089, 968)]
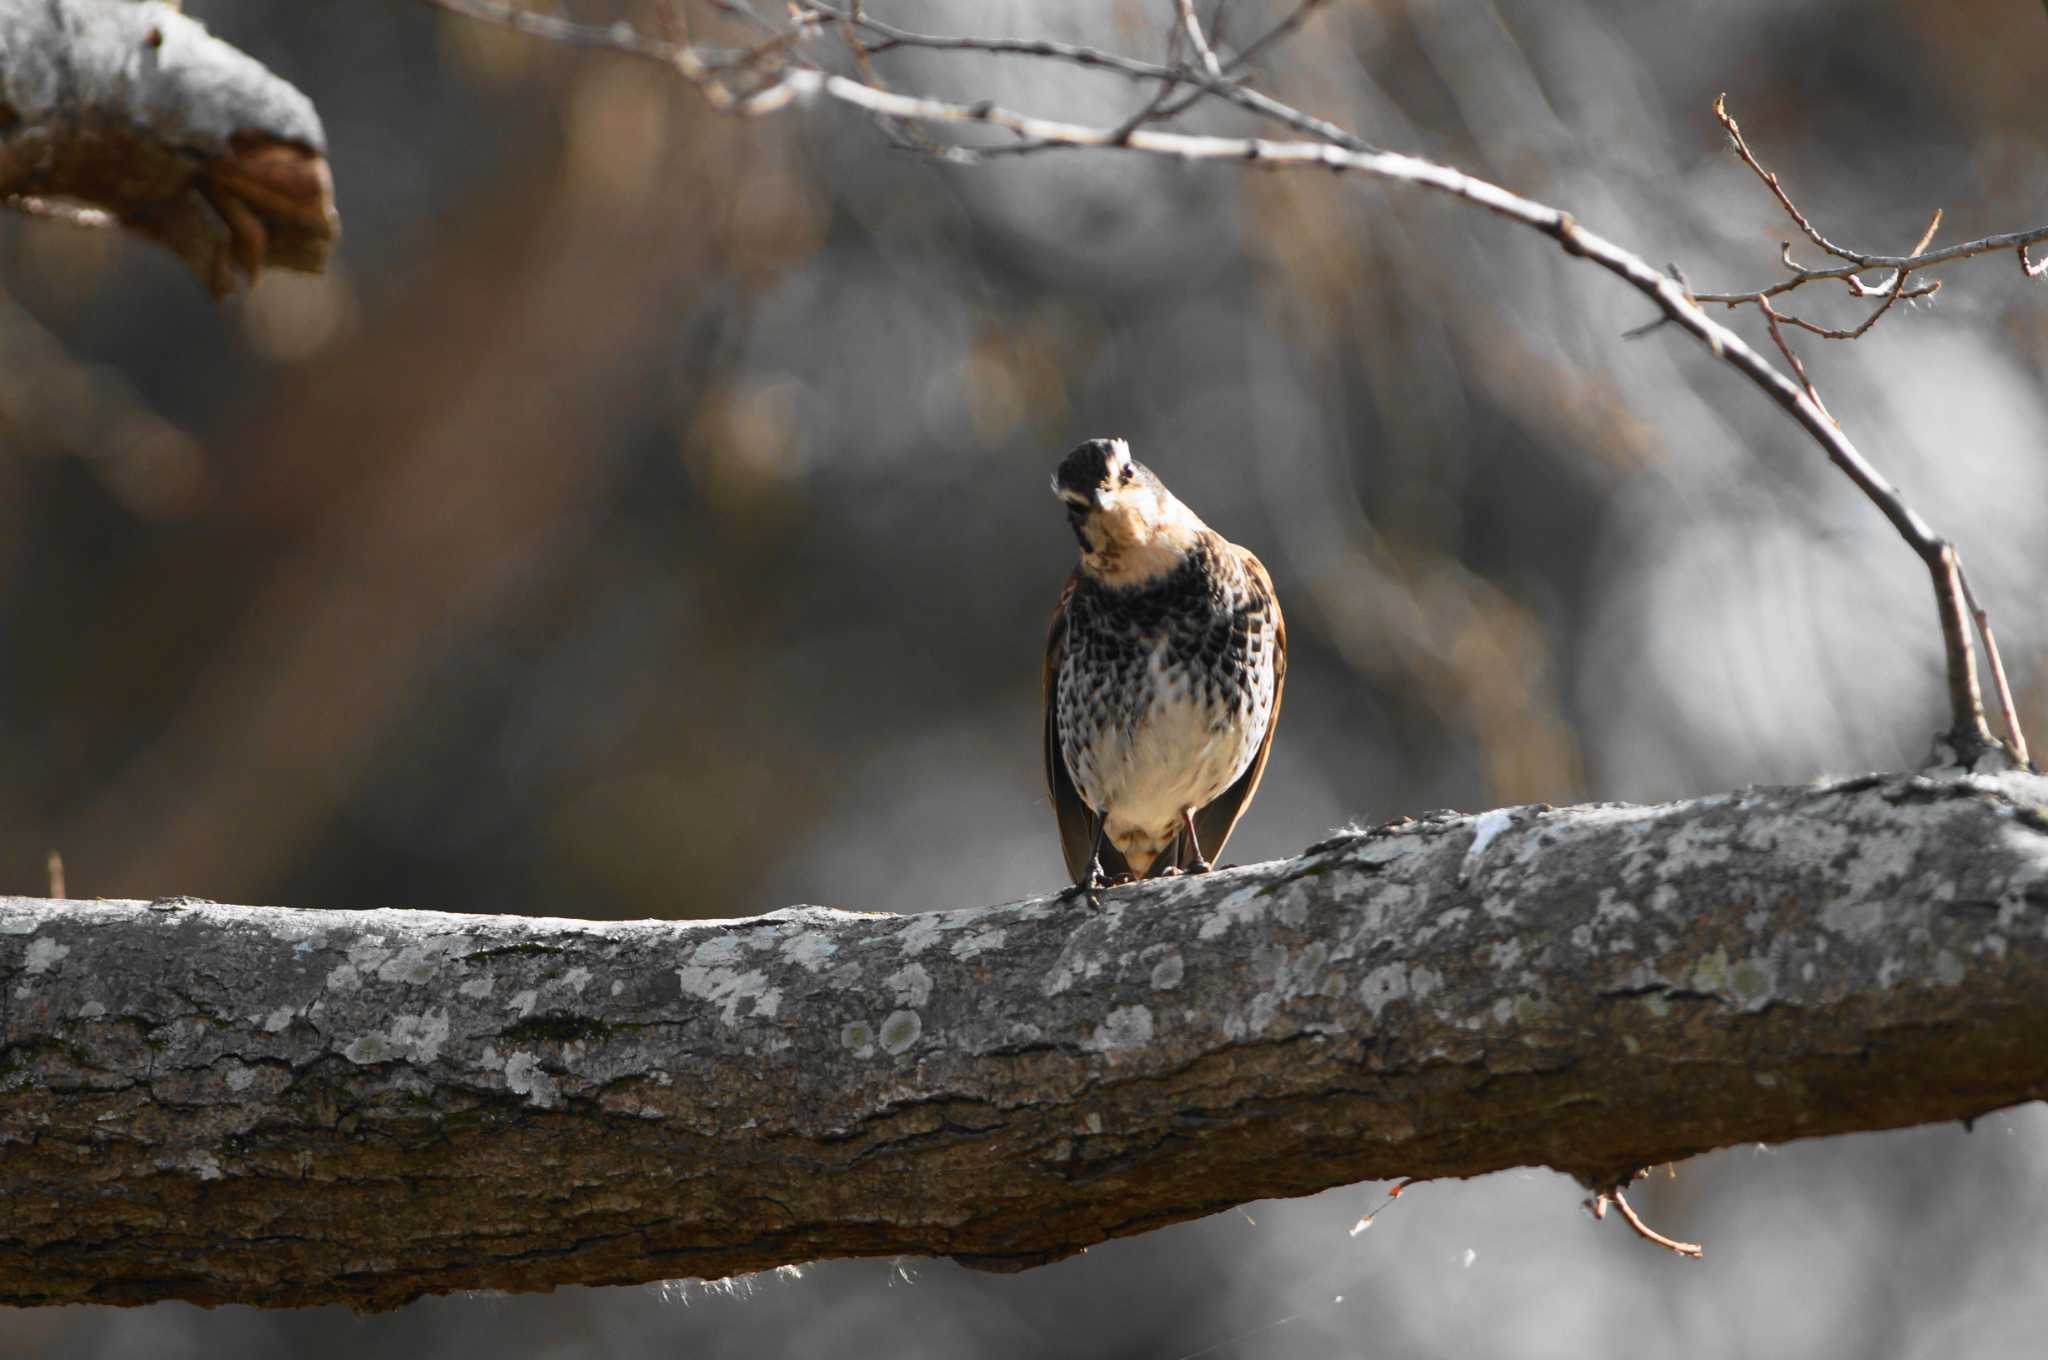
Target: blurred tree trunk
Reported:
[(275, 1106)]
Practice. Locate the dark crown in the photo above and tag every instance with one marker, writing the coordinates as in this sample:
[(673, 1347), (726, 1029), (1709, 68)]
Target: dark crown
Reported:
[(1086, 468)]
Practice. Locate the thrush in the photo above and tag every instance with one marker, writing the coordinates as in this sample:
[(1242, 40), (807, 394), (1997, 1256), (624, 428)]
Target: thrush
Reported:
[(1163, 672)]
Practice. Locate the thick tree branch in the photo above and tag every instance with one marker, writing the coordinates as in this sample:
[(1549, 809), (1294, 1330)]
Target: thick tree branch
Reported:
[(135, 110), (270, 1106)]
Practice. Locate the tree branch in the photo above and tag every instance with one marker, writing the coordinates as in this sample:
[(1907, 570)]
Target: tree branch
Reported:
[(135, 110), (269, 1106)]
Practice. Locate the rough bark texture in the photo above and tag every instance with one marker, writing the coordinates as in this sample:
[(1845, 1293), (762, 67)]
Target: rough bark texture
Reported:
[(275, 1106), (135, 109)]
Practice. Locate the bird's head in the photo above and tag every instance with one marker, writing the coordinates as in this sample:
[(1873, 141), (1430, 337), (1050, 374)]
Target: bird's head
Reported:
[(1131, 528)]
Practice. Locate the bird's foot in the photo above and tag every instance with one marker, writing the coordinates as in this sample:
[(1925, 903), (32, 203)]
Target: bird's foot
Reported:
[(1088, 892), (1090, 887), (1200, 866)]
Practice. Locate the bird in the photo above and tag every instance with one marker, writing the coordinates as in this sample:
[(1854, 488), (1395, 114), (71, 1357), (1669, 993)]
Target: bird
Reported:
[(1164, 668)]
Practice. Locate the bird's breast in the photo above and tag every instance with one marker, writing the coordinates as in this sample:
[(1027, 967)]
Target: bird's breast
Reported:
[(1163, 704)]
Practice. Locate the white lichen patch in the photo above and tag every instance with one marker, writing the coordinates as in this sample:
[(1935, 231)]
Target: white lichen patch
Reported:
[(411, 1038), (19, 925), (1124, 1028), (277, 1020), (911, 984), (858, 1037), (477, 987), (1858, 918), (1168, 969), (716, 952), (524, 1001), (344, 978), (981, 942), (1263, 1008), (900, 1031), (726, 988), (921, 934), (416, 964), (1083, 958), (1383, 986), (810, 950), (43, 955), (576, 979), (1242, 907), (1612, 910), (240, 1078), (1384, 851), (91, 1010), (524, 1077)]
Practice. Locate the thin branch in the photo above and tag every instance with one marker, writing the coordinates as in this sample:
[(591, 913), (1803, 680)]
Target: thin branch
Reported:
[(1198, 84), (1192, 26), (1771, 318), (1279, 32), (1968, 732), (1643, 1230), (2008, 712), (1857, 261), (1777, 190)]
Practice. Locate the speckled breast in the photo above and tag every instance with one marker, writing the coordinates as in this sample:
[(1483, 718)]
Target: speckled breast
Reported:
[(1166, 689)]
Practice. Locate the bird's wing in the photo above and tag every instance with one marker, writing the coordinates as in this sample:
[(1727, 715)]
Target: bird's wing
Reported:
[(1215, 822), (1077, 823)]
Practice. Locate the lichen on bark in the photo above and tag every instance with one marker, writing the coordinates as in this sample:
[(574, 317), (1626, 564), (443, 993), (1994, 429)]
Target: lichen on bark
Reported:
[(280, 1106)]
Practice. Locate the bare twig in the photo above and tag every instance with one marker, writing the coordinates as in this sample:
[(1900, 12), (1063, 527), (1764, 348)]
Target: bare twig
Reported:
[(1192, 26), (2008, 712), (1969, 734), (1771, 181), (1771, 318), (1599, 1204), (1197, 84), (1858, 262), (53, 865)]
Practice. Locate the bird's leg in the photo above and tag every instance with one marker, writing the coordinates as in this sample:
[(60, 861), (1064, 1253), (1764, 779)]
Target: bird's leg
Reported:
[(1093, 880), (1197, 865)]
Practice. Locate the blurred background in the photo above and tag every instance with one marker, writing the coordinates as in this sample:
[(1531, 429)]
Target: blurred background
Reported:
[(647, 517)]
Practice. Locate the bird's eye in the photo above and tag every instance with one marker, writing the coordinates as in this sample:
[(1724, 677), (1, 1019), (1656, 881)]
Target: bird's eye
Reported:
[(1125, 479)]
